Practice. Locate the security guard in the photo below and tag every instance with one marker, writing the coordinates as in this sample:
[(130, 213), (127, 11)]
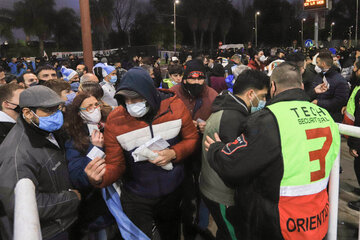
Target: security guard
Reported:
[(281, 164)]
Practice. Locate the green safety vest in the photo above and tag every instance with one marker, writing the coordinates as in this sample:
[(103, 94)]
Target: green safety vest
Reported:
[(350, 107), (310, 142)]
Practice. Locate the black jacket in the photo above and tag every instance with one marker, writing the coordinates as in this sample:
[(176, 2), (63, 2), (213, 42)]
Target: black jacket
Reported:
[(337, 95), (254, 164), (354, 143), (26, 153), (5, 128)]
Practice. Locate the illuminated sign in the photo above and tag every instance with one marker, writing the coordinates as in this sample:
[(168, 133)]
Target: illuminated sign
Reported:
[(315, 4)]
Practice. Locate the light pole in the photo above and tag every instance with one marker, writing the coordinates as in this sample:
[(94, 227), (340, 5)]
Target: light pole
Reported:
[(175, 2), (302, 31), (331, 30), (350, 35), (357, 22), (256, 28)]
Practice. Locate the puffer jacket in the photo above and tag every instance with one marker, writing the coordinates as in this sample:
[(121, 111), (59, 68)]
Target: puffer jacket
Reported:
[(26, 153), (168, 119)]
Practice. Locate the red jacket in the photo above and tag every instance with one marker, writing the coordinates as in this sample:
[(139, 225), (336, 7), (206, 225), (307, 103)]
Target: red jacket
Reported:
[(208, 98), (124, 133), (254, 65)]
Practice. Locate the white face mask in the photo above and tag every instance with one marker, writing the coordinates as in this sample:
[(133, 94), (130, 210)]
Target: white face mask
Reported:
[(92, 118), (262, 58), (318, 69), (137, 109)]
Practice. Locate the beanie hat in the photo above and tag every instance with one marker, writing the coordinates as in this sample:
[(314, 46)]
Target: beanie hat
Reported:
[(106, 70), (67, 73), (194, 69)]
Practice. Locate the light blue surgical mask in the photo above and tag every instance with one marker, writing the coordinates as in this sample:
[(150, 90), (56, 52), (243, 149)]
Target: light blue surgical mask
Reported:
[(113, 79), (137, 109), (75, 86), (70, 98), (261, 105), (50, 123)]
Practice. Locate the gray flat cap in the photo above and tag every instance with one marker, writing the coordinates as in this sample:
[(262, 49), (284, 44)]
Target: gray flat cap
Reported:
[(39, 96)]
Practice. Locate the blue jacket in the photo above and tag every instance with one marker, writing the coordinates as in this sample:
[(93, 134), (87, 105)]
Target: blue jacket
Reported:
[(336, 96), (13, 69), (77, 163)]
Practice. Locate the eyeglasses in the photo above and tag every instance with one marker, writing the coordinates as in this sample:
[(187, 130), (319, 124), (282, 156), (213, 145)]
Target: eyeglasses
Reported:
[(91, 108)]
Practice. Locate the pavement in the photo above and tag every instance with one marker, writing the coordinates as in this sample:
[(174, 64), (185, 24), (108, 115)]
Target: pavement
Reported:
[(348, 221)]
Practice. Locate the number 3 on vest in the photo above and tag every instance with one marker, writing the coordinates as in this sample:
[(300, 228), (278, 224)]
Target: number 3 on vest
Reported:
[(319, 154)]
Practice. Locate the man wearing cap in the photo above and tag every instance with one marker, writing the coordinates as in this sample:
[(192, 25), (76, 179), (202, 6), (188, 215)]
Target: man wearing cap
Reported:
[(34, 149), (198, 98), (110, 78), (71, 77), (150, 192)]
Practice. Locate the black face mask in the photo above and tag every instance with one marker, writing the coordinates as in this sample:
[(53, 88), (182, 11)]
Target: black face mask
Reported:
[(41, 82), (17, 109), (195, 90), (33, 84)]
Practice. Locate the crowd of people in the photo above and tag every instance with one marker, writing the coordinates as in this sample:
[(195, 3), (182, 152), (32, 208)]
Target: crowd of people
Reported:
[(146, 150)]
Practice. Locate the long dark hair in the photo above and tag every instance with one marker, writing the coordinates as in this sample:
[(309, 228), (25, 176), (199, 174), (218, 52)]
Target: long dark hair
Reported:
[(75, 125)]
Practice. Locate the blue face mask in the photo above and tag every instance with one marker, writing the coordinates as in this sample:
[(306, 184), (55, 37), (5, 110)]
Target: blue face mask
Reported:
[(260, 105), (70, 98), (51, 123), (75, 86), (113, 79)]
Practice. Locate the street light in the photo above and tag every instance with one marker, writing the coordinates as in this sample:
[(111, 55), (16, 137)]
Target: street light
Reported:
[(302, 31), (256, 28), (175, 2), (350, 35), (331, 30)]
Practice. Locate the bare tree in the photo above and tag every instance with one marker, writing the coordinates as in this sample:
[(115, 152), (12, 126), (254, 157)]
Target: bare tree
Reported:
[(193, 24), (212, 28), (124, 16), (242, 5), (203, 26), (225, 27)]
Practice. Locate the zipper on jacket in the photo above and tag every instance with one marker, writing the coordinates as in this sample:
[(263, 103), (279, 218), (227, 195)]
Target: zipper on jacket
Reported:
[(160, 115)]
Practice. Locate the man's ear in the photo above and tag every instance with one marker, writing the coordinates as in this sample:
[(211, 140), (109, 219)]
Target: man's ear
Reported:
[(27, 113)]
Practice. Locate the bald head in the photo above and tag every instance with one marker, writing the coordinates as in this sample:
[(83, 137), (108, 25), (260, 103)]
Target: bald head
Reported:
[(89, 77), (286, 76)]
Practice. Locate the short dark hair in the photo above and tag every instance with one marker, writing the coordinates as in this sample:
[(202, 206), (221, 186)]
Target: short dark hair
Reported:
[(2, 69), (175, 69), (325, 56), (20, 79), (45, 67), (57, 85), (7, 92), (92, 88), (251, 79), (287, 75), (85, 68), (296, 59), (10, 77)]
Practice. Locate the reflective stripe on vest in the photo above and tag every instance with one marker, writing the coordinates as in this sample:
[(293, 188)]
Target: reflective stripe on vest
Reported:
[(350, 107), (302, 190), (310, 143)]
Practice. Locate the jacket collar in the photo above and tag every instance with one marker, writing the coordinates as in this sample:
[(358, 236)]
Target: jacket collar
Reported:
[(38, 137), (6, 118), (295, 94)]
